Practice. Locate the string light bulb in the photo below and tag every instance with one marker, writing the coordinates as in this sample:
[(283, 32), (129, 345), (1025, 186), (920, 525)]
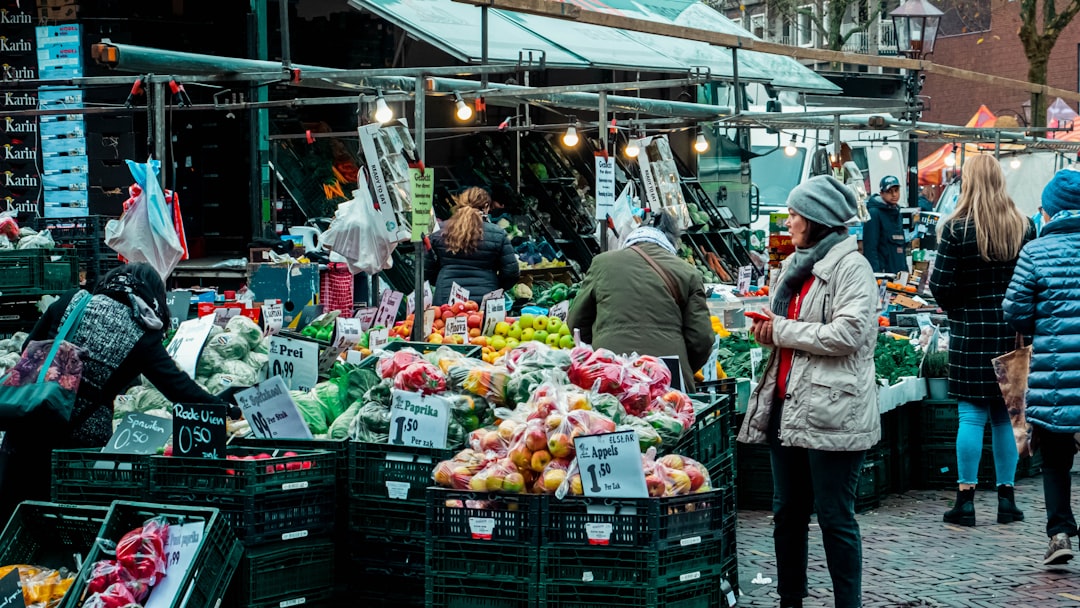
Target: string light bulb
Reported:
[(463, 110), (570, 138), (701, 144), (632, 150), (383, 113), (885, 153), (790, 149), (1015, 162), (950, 160)]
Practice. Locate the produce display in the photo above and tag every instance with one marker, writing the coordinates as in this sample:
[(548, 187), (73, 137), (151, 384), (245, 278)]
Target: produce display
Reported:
[(128, 579), (894, 358), (41, 587)]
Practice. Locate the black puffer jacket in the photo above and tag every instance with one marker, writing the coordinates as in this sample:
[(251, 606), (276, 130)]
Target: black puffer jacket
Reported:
[(492, 266)]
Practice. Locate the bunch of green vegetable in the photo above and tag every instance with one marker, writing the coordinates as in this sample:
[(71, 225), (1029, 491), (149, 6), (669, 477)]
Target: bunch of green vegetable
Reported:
[(734, 356), (936, 364), (895, 358)]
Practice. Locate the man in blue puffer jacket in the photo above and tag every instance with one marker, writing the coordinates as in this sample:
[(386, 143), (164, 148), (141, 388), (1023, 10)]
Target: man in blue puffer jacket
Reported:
[(1041, 301)]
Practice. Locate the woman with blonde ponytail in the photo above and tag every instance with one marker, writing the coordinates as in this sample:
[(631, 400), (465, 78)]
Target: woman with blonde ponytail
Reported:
[(977, 252), (471, 251)]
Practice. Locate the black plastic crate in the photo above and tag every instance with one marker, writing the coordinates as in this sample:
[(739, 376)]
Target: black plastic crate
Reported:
[(288, 574), (38, 272), (387, 518), (646, 523), (316, 598), (729, 572), (494, 518), (50, 535), (308, 470), (937, 466), (278, 516), (704, 592), (398, 473), (385, 590), (729, 542), (338, 447), (711, 439), (477, 558), (91, 477), (461, 592), (867, 494), (216, 559), (938, 421), (377, 556), (608, 566)]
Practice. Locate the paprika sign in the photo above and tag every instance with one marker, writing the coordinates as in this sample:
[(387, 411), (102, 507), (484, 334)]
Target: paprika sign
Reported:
[(418, 420)]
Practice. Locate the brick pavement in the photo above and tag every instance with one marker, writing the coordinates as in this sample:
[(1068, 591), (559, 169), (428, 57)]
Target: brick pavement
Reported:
[(912, 559)]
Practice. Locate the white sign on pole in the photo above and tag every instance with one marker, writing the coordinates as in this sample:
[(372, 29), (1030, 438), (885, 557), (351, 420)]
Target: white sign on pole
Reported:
[(418, 420), (610, 465), (272, 412), (648, 180), (605, 186), (388, 307), (494, 313), (745, 275), (458, 294), (188, 342), (429, 321), (180, 550), (273, 315), (296, 361)]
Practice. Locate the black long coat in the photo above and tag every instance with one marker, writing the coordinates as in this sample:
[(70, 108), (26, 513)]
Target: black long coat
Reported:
[(971, 291), (493, 265)]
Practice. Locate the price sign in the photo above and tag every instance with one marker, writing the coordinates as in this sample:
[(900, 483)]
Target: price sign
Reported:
[(457, 326), (188, 342), (605, 186), (491, 295), (745, 275), (422, 182), (222, 315), (366, 316), (296, 361), (179, 303), (273, 315), (560, 311), (610, 465), (388, 307), (410, 301), (180, 550), (348, 333), (494, 313), (11, 595), (756, 355), (272, 412), (709, 371), (675, 366), (139, 434), (378, 338), (458, 294), (429, 321), (199, 430), (418, 420)]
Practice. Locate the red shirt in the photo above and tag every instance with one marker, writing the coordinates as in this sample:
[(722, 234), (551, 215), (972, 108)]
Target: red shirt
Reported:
[(787, 354)]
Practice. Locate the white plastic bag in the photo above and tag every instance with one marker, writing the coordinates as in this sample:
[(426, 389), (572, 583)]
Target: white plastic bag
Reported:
[(145, 232), (361, 234)]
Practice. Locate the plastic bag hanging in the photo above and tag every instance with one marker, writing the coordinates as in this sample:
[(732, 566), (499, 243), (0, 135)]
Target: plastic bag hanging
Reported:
[(363, 234), (146, 232)]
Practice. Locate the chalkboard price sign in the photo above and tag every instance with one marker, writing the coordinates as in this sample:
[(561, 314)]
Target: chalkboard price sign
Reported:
[(139, 434), (199, 430)]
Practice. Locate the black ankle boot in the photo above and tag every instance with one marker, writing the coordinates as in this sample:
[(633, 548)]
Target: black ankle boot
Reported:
[(790, 603), (963, 512), (1007, 511)]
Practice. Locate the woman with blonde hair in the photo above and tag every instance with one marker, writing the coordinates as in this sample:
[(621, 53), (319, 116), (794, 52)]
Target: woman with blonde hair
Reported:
[(471, 251), (978, 245)]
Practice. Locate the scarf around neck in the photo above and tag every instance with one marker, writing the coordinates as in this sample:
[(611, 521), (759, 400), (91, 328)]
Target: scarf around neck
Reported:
[(126, 287), (800, 267), (648, 234)]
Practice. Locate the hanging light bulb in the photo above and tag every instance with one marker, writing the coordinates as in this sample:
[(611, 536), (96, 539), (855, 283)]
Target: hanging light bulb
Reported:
[(1015, 162), (570, 138), (463, 110), (632, 150), (383, 113), (701, 144), (950, 160), (790, 149), (885, 153)]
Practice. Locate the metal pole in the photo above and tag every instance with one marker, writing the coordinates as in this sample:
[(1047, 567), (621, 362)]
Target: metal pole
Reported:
[(997, 144), (283, 19), (419, 115), (160, 86), (603, 121), (735, 81), (483, 43)]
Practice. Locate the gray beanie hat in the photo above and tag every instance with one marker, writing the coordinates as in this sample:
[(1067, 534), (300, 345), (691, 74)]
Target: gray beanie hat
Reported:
[(825, 200)]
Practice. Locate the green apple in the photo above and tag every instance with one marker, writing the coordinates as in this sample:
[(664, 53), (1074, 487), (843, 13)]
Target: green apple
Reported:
[(527, 334), (540, 323), (540, 335), (564, 330), (566, 341), (515, 331), (553, 340), (526, 321), (554, 325)]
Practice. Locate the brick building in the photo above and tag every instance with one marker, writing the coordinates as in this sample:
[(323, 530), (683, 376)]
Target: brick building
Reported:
[(1001, 53)]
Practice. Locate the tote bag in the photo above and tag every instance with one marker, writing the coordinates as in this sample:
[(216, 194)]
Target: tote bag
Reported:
[(42, 385), (1012, 370)]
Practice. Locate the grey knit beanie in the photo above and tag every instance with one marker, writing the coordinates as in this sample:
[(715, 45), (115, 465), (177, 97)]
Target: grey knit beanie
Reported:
[(825, 200)]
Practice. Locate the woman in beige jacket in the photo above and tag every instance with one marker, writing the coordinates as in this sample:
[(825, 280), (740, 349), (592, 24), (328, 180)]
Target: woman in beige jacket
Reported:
[(816, 406)]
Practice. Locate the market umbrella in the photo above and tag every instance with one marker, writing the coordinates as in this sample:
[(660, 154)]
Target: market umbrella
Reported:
[(932, 167)]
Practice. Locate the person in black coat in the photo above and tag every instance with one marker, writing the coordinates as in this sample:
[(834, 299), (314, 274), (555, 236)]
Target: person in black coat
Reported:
[(883, 233), (121, 333), (977, 251), (471, 251)]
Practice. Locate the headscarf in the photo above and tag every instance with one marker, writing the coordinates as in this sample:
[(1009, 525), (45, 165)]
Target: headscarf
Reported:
[(648, 234), (132, 285)]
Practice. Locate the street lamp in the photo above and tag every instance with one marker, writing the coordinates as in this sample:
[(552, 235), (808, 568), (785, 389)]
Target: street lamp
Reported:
[(916, 25)]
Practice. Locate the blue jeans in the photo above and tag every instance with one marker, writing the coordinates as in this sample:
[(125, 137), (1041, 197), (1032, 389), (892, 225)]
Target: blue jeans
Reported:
[(969, 441)]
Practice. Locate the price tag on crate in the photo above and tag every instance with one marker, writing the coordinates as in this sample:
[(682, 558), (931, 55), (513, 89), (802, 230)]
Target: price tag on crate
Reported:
[(11, 595), (458, 326), (418, 420), (199, 430), (272, 412), (458, 294), (610, 465), (139, 434), (181, 548), (346, 335), (296, 361), (273, 315), (389, 303), (188, 342), (494, 313)]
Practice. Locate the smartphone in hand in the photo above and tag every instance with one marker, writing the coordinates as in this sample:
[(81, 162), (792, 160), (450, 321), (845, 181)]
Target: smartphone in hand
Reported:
[(757, 316)]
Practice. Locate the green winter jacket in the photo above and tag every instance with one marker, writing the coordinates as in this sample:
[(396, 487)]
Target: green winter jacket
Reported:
[(624, 306)]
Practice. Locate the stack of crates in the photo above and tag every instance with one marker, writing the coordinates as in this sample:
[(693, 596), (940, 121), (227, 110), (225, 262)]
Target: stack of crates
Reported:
[(32, 273), (280, 503), (483, 550), (387, 517), (86, 237), (92, 477)]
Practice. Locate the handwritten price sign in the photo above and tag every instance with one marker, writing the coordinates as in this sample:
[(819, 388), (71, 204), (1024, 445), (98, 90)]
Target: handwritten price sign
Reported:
[(611, 465)]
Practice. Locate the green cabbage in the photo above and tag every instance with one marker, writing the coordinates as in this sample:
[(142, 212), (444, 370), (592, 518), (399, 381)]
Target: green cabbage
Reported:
[(245, 329), (372, 423), (311, 410), (340, 428)]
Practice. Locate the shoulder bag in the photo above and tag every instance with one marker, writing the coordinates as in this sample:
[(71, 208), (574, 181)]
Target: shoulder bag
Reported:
[(1012, 370), (669, 281), (42, 385)]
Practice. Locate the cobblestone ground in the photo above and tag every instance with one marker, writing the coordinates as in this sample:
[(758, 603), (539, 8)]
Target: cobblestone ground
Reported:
[(911, 558)]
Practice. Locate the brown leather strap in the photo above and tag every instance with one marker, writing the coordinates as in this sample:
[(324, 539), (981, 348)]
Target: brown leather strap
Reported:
[(665, 276)]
